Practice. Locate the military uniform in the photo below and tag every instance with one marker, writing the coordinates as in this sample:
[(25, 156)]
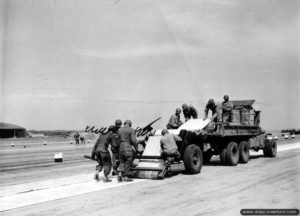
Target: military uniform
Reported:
[(128, 141), (189, 112), (82, 139), (227, 106), (169, 147), (100, 151), (174, 122), (76, 136), (115, 148), (215, 109)]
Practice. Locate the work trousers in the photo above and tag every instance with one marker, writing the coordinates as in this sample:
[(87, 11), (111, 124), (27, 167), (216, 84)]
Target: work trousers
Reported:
[(104, 162), (126, 159), (168, 156), (115, 160)]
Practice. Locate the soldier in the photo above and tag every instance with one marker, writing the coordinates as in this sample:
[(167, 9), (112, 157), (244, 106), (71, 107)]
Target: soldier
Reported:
[(115, 147), (128, 141), (168, 146), (189, 111), (82, 140), (215, 111), (118, 124), (174, 121), (227, 106), (76, 136), (101, 153)]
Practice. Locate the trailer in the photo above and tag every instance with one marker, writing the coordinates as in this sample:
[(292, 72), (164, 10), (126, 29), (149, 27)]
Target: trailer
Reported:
[(231, 141)]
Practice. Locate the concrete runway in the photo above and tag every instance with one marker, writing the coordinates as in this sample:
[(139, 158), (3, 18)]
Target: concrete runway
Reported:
[(32, 184)]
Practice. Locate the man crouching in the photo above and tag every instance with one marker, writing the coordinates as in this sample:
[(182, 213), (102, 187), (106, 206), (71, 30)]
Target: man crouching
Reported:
[(101, 153), (169, 147)]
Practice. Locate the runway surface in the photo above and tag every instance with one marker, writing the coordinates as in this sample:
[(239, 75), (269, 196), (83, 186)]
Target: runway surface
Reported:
[(32, 184)]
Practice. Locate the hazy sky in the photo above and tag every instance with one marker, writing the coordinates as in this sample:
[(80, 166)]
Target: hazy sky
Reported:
[(66, 64)]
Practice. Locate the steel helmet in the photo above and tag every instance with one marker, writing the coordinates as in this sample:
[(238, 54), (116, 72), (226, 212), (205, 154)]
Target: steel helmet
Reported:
[(118, 122), (128, 122), (164, 131), (211, 101), (184, 106), (112, 128)]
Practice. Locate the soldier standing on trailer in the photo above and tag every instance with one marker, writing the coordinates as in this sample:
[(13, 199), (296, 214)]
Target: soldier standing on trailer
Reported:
[(216, 112), (189, 112), (174, 121), (227, 106)]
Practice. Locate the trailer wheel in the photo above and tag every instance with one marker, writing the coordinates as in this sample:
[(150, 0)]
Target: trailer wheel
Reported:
[(270, 149), (244, 152), (207, 156), (232, 154), (222, 156), (193, 159)]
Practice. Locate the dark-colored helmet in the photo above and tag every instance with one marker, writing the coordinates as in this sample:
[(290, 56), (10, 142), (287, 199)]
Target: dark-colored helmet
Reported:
[(184, 106), (226, 97), (164, 131), (128, 122), (112, 128), (211, 102), (118, 123)]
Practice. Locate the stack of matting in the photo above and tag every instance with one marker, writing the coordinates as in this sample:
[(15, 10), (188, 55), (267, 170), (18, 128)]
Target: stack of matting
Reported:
[(154, 166)]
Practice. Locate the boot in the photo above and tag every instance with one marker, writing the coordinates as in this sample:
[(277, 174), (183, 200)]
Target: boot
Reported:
[(114, 172), (126, 179), (120, 179), (96, 176), (106, 179)]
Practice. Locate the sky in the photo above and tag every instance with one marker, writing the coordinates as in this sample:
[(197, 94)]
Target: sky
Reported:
[(66, 64)]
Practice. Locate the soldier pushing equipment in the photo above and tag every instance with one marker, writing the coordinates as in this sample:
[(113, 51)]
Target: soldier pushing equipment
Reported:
[(128, 141), (168, 145), (115, 147), (101, 153)]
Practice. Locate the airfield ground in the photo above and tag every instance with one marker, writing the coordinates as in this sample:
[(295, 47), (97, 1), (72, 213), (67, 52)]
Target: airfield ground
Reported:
[(31, 183)]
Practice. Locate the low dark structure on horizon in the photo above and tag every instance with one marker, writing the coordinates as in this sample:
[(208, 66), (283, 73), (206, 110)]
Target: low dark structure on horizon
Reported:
[(9, 130), (291, 131)]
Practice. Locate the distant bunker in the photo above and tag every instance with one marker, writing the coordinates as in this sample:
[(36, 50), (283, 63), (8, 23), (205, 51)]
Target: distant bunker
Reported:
[(9, 130)]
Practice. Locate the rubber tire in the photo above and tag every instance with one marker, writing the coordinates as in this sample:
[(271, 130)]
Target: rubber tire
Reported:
[(232, 154), (222, 156), (207, 156), (270, 149), (193, 159), (244, 152)]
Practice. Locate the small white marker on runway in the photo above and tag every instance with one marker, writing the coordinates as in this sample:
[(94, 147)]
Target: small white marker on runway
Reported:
[(58, 157)]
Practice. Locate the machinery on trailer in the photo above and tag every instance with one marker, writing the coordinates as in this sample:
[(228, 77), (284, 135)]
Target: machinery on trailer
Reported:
[(201, 140)]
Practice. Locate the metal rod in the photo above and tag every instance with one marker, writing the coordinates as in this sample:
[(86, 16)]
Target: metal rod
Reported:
[(147, 157), (147, 169)]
